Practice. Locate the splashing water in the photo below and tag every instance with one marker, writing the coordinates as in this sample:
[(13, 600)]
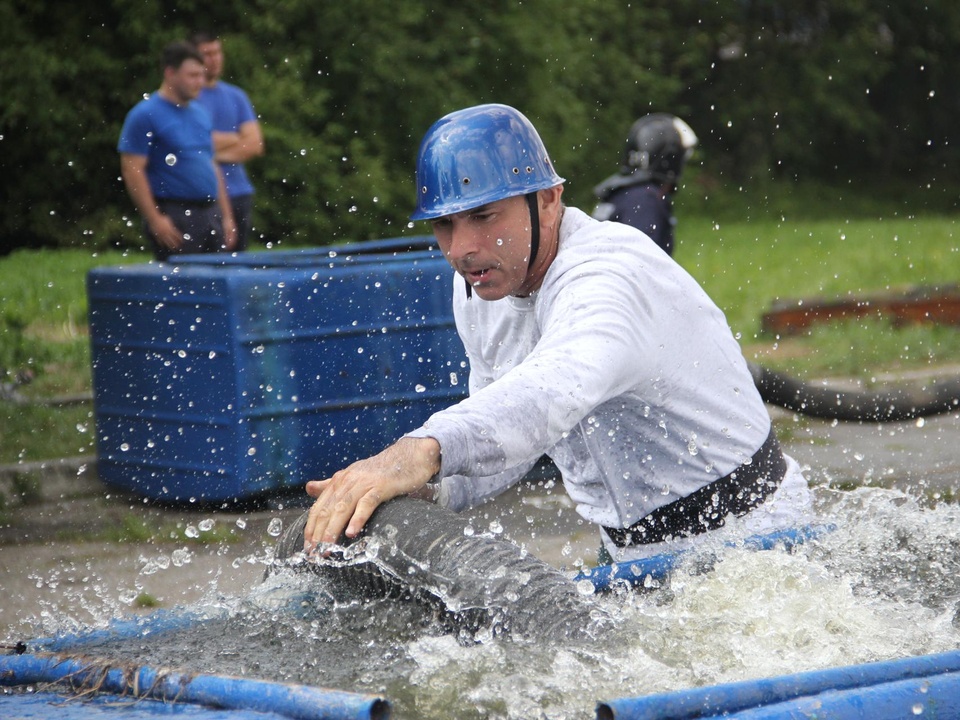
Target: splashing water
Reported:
[(885, 584)]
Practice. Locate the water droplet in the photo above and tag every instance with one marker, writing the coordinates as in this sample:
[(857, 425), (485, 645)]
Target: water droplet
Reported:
[(420, 388), (206, 525), (171, 159), (191, 532), (275, 527), (585, 587), (241, 523)]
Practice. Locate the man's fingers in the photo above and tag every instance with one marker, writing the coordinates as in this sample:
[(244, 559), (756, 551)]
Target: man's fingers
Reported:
[(328, 517), (315, 487), (332, 516), (364, 509)]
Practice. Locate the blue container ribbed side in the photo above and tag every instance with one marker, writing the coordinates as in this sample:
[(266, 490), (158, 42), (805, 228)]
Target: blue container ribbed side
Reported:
[(217, 381)]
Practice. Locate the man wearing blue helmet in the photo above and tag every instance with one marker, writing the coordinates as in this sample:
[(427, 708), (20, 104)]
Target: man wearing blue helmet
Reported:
[(586, 345)]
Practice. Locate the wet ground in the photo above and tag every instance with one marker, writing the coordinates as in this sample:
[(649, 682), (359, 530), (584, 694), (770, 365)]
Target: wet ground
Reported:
[(74, 553), (70, 553)]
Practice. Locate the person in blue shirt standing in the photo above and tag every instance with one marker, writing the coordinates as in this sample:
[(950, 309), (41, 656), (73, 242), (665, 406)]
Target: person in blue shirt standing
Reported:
[(658, 147), (167, 165), (237, 137)]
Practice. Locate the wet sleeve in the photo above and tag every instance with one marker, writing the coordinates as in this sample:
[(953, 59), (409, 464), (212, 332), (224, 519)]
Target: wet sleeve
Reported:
[(459, 492)]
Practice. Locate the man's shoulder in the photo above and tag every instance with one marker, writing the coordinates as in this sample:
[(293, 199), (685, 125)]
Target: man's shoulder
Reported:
[(582, 230), (585, 239), (155, 105), (227, 90), (142, 116), (226, 98), (144, 104)]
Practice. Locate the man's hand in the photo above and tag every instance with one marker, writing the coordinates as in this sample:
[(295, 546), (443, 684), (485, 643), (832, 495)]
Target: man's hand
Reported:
[(133, 169), (166, 233), (348, 499), (229, 233)]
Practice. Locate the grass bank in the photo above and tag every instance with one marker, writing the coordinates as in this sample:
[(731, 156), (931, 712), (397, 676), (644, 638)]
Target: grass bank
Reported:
[(747, 249), (789, 242)]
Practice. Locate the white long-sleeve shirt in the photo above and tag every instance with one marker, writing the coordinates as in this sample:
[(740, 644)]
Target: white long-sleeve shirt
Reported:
[(620, 368)]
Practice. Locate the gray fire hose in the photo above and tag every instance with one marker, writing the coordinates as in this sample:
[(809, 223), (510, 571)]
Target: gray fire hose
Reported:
[(418, 551)]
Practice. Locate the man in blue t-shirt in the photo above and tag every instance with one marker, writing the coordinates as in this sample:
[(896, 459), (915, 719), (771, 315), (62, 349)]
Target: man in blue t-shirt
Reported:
[(167, 165), (236, 131)]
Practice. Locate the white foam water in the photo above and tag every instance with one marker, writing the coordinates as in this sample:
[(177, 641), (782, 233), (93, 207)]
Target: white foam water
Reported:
[(884, 584)]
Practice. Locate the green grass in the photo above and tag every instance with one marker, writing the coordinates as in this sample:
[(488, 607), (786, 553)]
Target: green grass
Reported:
[(747, 247), (43, 316), (135, 529), (749, 250), (43, 332), (747, 266)]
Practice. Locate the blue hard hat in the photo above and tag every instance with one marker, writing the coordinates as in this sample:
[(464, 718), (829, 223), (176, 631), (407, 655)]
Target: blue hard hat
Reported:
[(476, 156)]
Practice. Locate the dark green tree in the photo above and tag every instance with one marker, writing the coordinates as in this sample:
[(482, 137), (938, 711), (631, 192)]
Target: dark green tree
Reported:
[(807, 89)]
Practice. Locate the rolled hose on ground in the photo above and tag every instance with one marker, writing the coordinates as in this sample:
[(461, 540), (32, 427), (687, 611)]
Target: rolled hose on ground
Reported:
[(854, 405), (419, 551)]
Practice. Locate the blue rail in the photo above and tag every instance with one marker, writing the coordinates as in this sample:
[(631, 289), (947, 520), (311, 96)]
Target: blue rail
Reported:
[(297, 702), (927, 686), (636, 572)]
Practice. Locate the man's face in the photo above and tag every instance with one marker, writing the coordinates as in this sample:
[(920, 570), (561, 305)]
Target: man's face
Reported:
[(212, 59), (187, 81), (489, 246)]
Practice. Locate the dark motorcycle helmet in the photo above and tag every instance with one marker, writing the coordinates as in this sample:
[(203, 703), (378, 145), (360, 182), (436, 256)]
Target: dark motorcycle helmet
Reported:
[(658, 147)]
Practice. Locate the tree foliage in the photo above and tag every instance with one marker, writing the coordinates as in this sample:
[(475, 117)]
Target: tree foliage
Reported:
[(344, 90)]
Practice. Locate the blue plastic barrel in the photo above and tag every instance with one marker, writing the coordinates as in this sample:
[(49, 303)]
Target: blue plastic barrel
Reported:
[(217, 381)]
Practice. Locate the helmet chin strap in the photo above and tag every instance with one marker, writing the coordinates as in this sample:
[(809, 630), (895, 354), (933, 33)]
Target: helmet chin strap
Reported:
[(534, 236), (534, 228)]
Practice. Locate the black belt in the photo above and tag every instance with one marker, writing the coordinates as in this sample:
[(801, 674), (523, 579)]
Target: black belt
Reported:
[(187, 203), (707, 508)]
